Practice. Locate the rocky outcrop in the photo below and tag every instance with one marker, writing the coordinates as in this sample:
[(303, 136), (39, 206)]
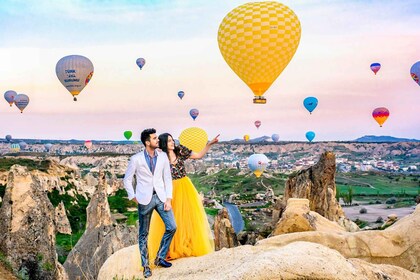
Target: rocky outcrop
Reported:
[(317, 184), (27, 232), (224, 234), (397, 245), (299, 260), (61, 221), (101, 239)]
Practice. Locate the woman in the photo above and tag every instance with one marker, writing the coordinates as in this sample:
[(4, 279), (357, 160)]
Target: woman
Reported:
[(193, 236)]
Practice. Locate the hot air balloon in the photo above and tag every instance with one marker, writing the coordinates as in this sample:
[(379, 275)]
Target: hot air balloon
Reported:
[(258, 40), (275, 137), (48, 147), (23, 145), (88, 144), (74, 72), (128, 134), (257, 163), (10, 97), (194, 113), (181, 94), (15, 148), (310, 135), (375, 67), (8, 138), (21, 101), (415, 72), (257, 124), (193, 138), (141, 62), (310, 103), (380, 115), (246, 137)]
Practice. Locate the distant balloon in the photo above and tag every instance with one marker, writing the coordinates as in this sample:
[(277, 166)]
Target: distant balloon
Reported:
[(257, 163), (275, 137), (194, 113), (380, 115), (257, 124), (74, 72), (181, 94), (310, 135), (375, 67), (310, 103), (88, 144), (10, 97), (194, 138), (21, 101), (141, 62), (23, 145), (48, 147), (415, 72), (8, 138), (15, 148), (128, 134), (246, 138)]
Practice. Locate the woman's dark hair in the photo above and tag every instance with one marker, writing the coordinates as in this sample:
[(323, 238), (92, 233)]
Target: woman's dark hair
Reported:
[(163, 144), (145, 135)]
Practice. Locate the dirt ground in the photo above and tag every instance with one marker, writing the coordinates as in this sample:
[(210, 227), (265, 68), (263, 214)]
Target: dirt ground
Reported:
[(6, 274)]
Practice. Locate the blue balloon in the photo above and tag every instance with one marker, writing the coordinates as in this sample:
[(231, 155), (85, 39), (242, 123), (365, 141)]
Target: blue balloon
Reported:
[(275, 137), (310, 135), (8, 138), (194, 113), (310, 103), (181, 94)]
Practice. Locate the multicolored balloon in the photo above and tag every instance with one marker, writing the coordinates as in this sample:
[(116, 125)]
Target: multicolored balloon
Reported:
[(140, 62), (194, 138), (48, 147), (275, 137), (181, 94), (88, 144), (257, 163), (194, 113), (8, 138), (246, 137), (10, 96), (415, 72), (375, 67), (258, 40), (257, 124), (380, 115), (74, 72), (15, 148), (128, 134), (310, 135), (310, 103), (21, 101)]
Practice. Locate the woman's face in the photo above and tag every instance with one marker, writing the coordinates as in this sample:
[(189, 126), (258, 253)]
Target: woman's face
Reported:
[(171, 144)]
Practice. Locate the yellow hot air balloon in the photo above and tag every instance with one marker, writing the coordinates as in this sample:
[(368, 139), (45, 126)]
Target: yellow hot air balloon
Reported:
[(246, 137), (194, 138), (258, 40)]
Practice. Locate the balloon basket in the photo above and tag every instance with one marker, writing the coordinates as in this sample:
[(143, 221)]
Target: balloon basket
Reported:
[(259, 100)]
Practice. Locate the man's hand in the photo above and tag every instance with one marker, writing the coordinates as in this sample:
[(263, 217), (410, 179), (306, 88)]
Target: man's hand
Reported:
[(135, 200), (167, 205)]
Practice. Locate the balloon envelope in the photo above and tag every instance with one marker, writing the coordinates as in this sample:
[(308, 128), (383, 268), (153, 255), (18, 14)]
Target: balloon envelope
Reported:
[(21, 101), (88, 144), (310, 103), (275, 137), (258, 40), (15, 148), (257, 124), (8, 138), (310, 135), (246, 137), (74, 72), (257, 163), (415, 72), (141, 62), (128, 134), (375, 67), (23, 145), (48, 146), (194, 113), (193, 138), (181, 94), (10, 96), (380, 115)]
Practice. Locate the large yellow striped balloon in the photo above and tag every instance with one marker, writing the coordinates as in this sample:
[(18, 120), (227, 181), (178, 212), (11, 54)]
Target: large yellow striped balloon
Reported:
[(258, 40), (194, 138)]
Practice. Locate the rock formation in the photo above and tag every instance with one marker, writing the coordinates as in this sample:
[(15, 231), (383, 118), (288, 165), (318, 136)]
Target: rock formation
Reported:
[(317, 184), (100, 240), (27, 232), (61, 221), (224, 234)]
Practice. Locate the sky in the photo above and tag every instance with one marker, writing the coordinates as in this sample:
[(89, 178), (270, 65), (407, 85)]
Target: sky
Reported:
[(178, 39)]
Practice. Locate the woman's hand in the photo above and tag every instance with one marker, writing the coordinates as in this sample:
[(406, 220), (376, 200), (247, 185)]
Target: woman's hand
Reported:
[(215, 140)]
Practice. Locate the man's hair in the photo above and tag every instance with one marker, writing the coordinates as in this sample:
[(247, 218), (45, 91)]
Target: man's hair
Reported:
[(145, 135)]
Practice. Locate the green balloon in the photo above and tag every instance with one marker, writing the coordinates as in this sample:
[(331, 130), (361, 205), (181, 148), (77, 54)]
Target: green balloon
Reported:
[(128, 134)]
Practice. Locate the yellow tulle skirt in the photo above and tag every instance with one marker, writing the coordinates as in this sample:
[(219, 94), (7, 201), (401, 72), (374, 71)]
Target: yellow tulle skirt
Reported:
[(193, 236)]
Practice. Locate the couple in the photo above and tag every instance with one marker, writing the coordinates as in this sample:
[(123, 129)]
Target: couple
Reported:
[(179, 215)]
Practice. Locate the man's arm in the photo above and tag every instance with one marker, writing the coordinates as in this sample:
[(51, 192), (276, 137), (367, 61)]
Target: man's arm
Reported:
[(128, 178)]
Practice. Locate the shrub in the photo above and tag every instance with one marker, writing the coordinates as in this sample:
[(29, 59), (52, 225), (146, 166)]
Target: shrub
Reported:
[(379, 220), (391, 200), (363, 210)]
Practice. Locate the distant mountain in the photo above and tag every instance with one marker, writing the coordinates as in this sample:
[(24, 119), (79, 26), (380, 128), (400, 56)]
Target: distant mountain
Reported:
[(373, 138), (255, 140)]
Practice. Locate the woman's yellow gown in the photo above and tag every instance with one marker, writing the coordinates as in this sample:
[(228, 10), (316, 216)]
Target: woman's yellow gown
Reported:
[(193, 236)]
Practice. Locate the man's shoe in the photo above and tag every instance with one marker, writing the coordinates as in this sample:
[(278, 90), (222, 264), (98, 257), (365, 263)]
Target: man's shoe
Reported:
[(147, 272), (162, 263)]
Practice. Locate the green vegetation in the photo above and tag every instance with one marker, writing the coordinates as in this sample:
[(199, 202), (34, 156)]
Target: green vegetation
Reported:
[(120, 202), (5, 262), (6, 163), (211, 211)]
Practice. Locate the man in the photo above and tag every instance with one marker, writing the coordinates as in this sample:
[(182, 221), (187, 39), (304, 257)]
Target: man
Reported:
[(153, 192)]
